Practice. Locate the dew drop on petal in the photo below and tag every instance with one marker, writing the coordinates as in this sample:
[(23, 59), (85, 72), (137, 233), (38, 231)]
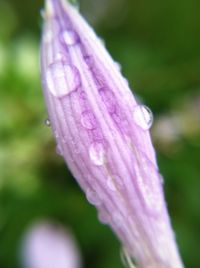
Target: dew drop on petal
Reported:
[(93, 197), (111, 184), (104, 216), (143, 117), (88, 120), (89, 60), (108, 98), (47, 122), (97, 153), (62, 78), (117, 219), (59, 150), (69, 37), (150, 185), (126, 259)]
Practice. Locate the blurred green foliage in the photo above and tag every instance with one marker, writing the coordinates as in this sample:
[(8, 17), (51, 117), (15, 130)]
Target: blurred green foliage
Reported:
[(157, 44)]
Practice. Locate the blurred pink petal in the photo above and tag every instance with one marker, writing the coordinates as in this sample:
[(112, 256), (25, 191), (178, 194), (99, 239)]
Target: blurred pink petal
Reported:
[(49, 246)]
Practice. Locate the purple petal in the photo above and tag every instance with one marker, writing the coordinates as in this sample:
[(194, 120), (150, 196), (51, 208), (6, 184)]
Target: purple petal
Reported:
[(103, 134)]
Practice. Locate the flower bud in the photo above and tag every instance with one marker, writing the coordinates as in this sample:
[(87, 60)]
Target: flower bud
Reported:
[(102, 132)]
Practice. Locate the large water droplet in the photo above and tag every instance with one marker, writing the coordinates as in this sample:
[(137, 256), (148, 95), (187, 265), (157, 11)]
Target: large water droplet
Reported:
[(70, 37), (143, 116), (62, 78), (97, 153), (108, 99), (88, 120), (126, 259), (47, 122), (93, 197)]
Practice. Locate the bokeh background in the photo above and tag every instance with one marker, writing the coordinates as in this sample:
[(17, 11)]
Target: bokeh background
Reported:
[(157, 44)]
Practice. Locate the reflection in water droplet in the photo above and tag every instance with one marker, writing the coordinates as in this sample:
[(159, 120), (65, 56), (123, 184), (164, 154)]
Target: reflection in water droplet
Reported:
[(143, 116), (88, 120), (126, 259), (62, 79), (69, 37), (97, 153), (93, 197), (47, 122)]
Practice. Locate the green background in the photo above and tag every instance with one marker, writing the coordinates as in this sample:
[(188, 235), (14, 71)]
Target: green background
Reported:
[(158, 46)]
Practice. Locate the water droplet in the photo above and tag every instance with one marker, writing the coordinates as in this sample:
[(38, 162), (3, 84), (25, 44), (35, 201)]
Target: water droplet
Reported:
[(111, 184), (117, 219), (143, 116), (62, 79), (97, 153), (108, 98), (114, 183), (93, 197), (70, 38), (88, 120), (118, 66), (89, 60), (149, 184), (48, 36), (104, 216), (47, 122), (96, 134), (126, 259), (42, 13), (59, 150)]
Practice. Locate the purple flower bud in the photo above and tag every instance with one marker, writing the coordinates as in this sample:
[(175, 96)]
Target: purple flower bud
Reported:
[(103, 135)]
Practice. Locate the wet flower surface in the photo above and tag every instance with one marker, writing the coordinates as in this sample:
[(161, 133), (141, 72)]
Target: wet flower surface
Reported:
[(103, 135)]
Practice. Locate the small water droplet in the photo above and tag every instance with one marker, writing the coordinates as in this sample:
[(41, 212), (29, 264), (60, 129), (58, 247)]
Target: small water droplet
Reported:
[(114, 183), (126, 259), (59, 150), (70, 38), (62, 79), (89, 60), (93, 197), (149, 183), (48, 36), (97, 153), (42, 13), (117, 219), (88, 120), (108, 98), (111, 184), (47, 122), (143, 116), (118, 66), (104, 216)]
